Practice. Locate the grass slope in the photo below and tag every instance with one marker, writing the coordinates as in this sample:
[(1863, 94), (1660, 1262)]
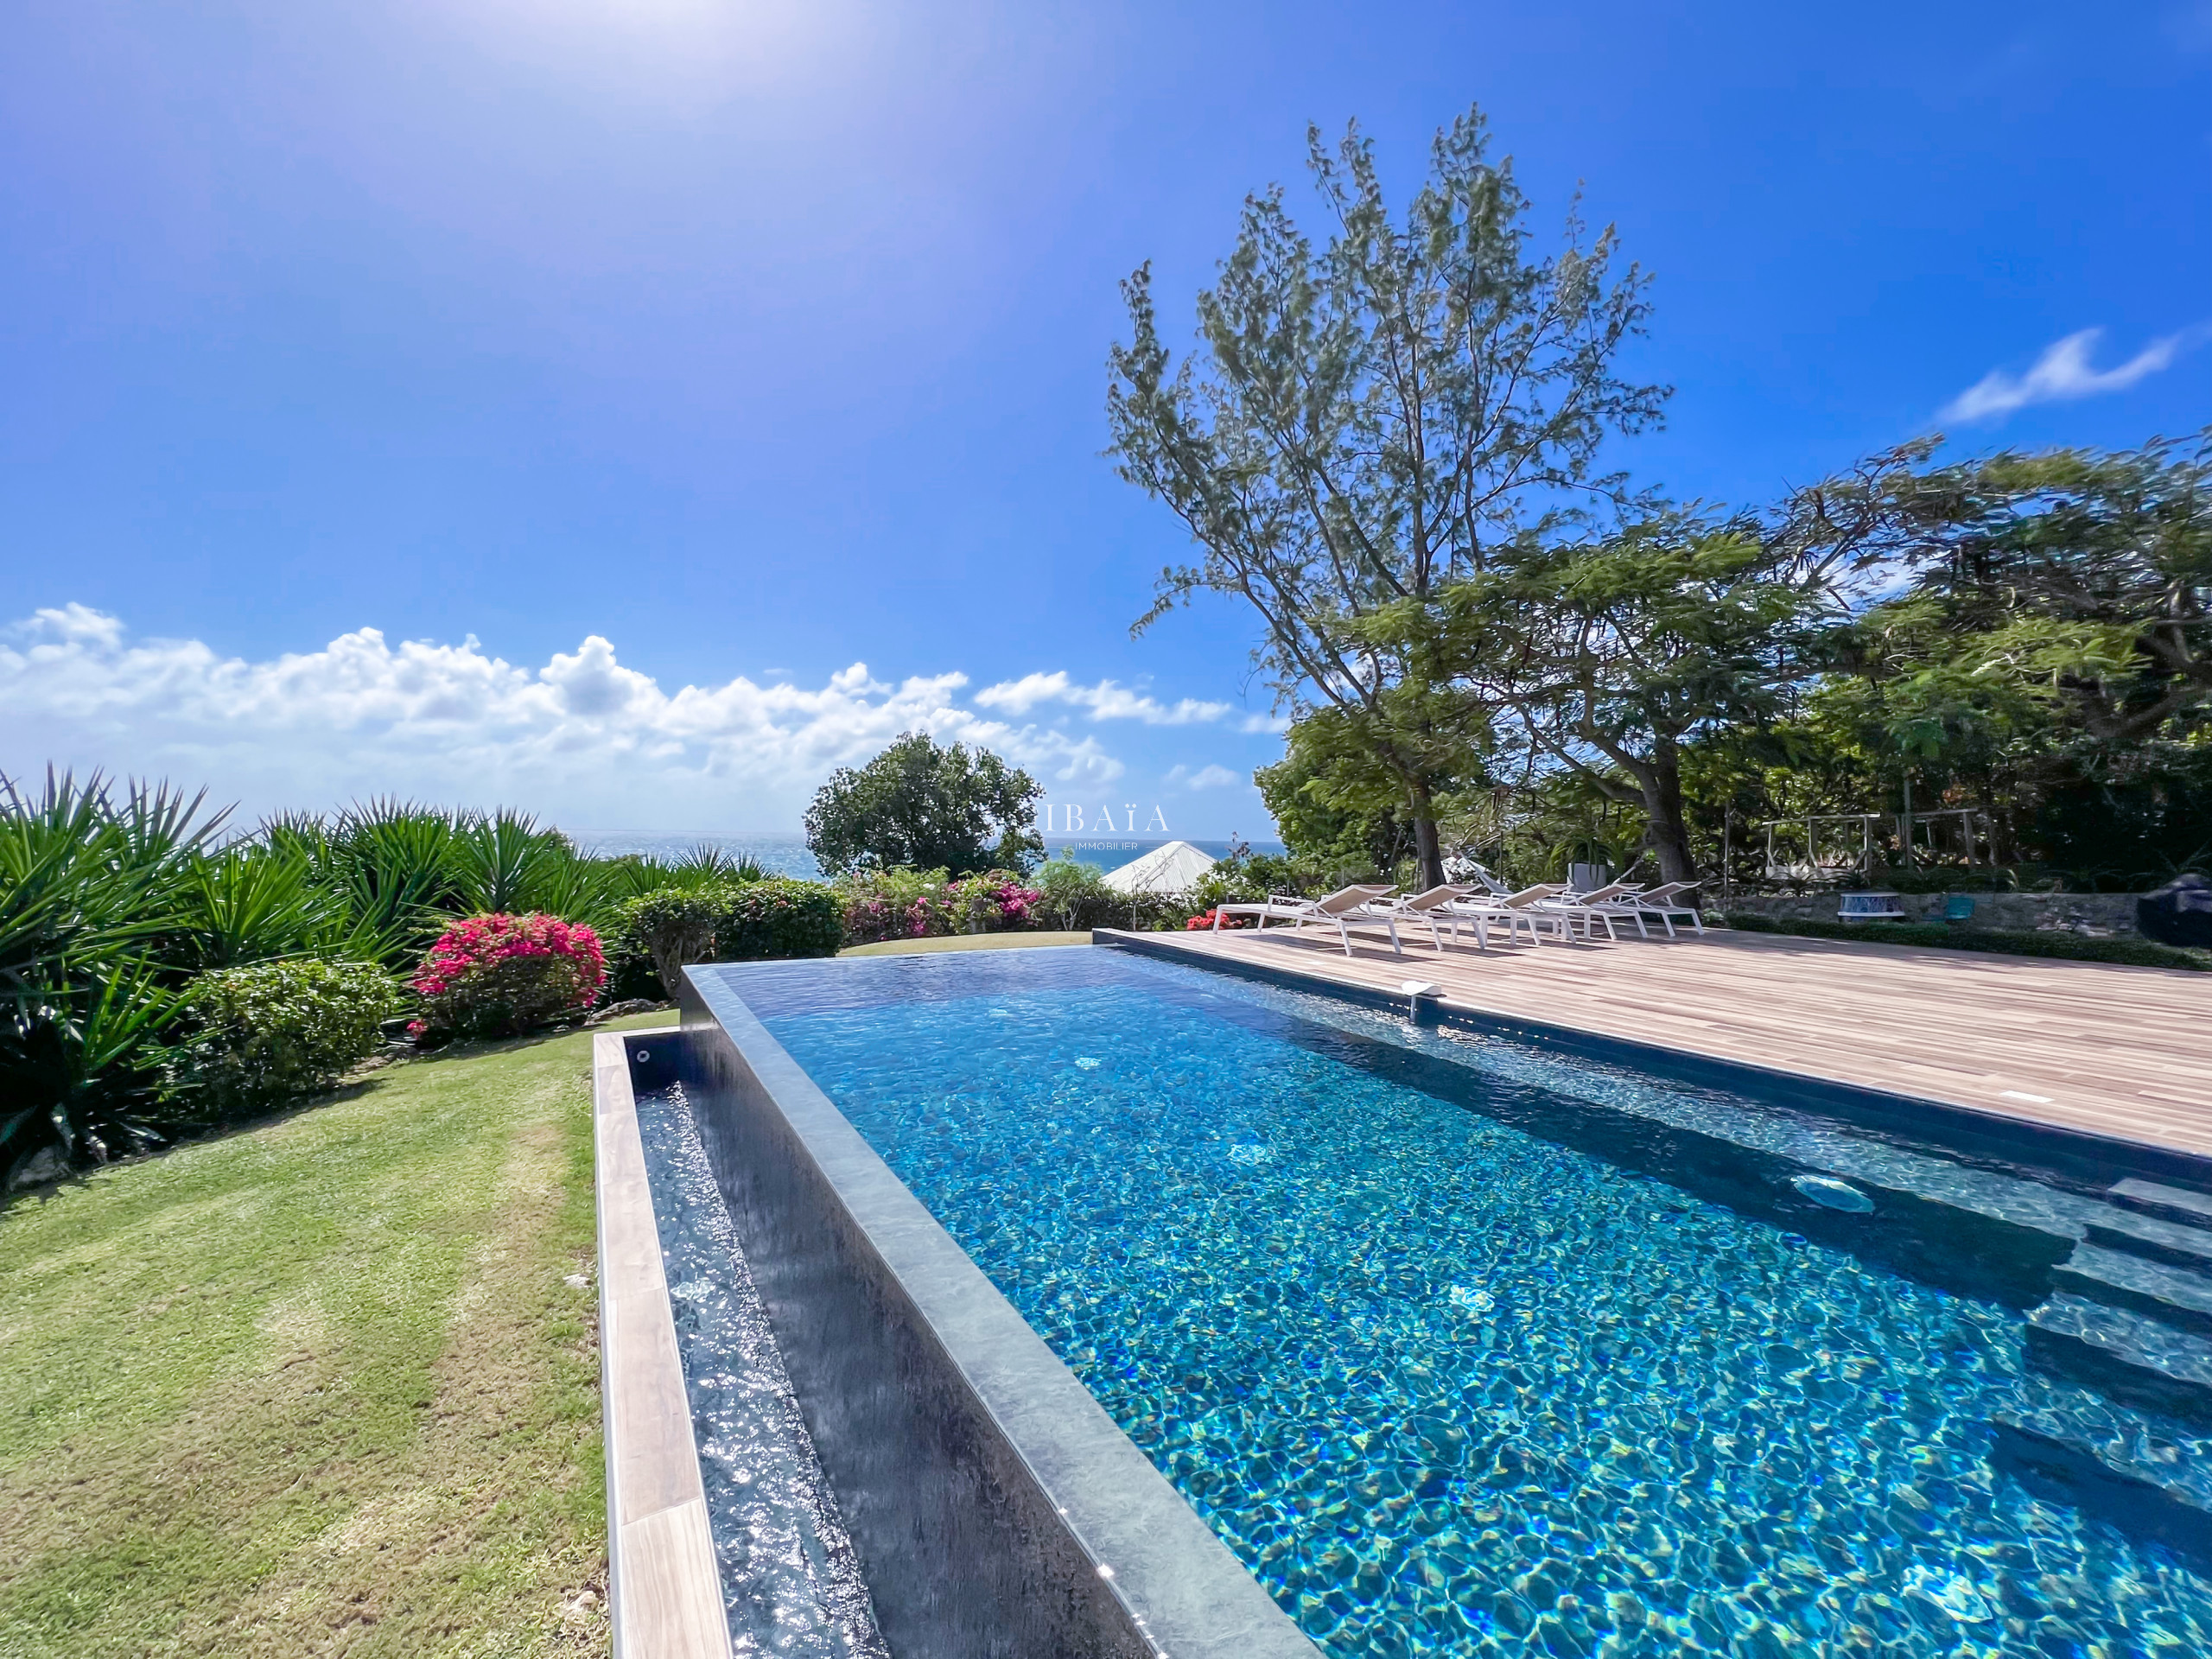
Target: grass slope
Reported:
[(318, 1387)]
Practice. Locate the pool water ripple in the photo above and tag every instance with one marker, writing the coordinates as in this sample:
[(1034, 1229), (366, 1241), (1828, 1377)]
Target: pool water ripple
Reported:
[(1447, 1388)]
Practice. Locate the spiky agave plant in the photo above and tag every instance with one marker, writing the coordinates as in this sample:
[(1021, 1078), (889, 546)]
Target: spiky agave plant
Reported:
[(92, 889)]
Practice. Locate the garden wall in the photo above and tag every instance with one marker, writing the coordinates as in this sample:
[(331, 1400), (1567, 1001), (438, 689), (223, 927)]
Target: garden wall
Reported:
[(2095, 913)]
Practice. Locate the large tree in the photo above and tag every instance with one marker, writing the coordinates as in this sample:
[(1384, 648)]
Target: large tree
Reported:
[(2049, 651), (926, 807), (1612, 656), (1369, 419)]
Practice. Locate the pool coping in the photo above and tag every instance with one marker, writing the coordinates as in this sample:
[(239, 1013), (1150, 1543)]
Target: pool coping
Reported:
[(1097, 1513), (664, 1585), (1856, 1101)]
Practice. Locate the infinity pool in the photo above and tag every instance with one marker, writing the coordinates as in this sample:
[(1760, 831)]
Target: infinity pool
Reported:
[(1449, 1372)]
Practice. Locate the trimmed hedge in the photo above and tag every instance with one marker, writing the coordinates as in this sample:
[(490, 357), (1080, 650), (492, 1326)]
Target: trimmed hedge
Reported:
[(779, 918), (267, 1033), (2068, 947)]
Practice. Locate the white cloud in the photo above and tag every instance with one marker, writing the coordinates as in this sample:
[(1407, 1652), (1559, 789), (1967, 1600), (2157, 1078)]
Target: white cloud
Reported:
[(2061, 374), (1107, 701), (1276, 724), (1210, 777), (584, 738)]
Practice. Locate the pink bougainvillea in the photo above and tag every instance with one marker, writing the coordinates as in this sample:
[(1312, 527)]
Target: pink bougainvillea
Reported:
[(1205, 921), (494, 976)]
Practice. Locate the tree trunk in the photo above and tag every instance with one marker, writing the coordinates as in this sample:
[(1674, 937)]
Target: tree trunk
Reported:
[(1427, 850), (1666, 830)]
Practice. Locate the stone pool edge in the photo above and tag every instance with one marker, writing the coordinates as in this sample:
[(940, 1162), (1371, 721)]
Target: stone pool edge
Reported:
[(989, 1495), (664, 1585)]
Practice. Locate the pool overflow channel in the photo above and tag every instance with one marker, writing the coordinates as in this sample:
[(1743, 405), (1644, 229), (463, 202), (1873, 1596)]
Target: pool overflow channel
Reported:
[(895, 1464)]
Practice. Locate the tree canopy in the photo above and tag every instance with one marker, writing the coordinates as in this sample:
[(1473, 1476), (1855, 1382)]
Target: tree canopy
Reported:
[(926, 807), (1370, 420)]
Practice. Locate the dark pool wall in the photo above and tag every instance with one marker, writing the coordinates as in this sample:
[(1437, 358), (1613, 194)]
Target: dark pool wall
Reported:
[(956, 1510)]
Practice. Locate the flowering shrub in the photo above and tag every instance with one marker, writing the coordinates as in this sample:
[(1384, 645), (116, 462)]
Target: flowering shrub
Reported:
[(495, 976), (1205, 921), (992, 903), (894, 904), (904, 904)]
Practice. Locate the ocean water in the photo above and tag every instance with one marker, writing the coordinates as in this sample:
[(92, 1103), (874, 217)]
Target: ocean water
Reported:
[(789, 855), (778, 855), (1445, 1385)]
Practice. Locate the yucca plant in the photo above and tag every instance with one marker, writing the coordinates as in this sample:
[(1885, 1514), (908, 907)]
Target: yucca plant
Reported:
[(92, 898), (257, 903)]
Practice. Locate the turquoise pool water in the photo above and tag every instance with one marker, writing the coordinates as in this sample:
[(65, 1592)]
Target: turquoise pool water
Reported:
[(1448, 1378)]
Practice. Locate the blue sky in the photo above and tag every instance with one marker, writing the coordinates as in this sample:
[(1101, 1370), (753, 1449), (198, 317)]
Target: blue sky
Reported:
[(553, 403)]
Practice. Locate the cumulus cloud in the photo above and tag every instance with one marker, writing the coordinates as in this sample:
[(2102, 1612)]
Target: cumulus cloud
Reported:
[(2063, 373), (1106, 700), (584, 737), (1208, 777)]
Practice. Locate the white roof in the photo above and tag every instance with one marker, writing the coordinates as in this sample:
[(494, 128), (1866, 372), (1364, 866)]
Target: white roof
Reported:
[(1175, 868)]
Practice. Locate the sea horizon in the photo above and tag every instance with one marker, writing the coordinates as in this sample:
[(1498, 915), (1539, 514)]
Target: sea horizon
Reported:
[(787, 854)]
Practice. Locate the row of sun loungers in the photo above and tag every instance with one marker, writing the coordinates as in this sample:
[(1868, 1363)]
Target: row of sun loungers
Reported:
[(1548, 908)]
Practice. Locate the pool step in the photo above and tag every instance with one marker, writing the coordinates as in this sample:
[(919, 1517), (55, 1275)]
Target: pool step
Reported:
[(2167, 1203), (2098, 1461), (2143, 1361), (2158, 1290), (2121, 1229)]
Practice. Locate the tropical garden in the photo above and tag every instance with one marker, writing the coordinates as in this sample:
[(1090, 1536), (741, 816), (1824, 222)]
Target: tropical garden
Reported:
[(1401, 447), (165, 973), (335, 1376)]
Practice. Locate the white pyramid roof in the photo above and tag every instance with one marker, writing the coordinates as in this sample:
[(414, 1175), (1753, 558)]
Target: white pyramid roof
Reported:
[(1175, 868)]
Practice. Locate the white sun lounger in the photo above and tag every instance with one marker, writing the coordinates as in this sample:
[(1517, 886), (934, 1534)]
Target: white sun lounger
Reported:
[(1435, 910), (1660, 902), (1597, 905), (1517, 911), (1358, 903)]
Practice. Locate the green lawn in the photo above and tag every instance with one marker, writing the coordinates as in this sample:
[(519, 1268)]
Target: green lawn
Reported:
[(963, 942), (318, 1387)]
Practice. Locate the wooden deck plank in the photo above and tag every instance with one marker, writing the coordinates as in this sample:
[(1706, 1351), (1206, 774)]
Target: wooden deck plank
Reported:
[(2089, 1046)]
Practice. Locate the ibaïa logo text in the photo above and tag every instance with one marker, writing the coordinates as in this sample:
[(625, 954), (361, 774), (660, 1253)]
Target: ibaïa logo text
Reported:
[(1100, 820)]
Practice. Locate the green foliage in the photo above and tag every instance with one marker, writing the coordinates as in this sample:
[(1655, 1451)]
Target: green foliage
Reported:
[(779, 917), (1076, 896), (2051, 656), (654, 935), (1609, 657), (910, 904), (2069, 947), (668, 929), (93, 891), (259, 1035), (925, 807), (1073, 897), (112, 899), (1368, 422), (1336, 804)]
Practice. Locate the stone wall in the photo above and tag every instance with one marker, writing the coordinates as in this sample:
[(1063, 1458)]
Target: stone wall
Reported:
[(2096, 914)]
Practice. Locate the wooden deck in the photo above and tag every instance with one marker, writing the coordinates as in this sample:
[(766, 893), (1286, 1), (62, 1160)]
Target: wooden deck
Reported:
[(2119, 1051)]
